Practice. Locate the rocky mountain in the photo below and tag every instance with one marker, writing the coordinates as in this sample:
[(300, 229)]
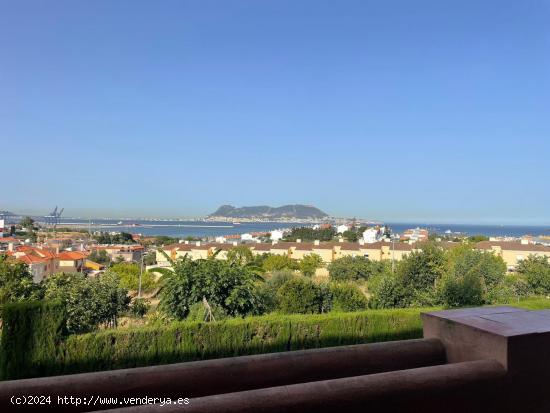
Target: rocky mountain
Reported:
[(264, 212)]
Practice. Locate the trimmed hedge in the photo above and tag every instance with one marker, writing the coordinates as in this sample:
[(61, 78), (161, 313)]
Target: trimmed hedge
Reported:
[(31, 334), (187, 341)]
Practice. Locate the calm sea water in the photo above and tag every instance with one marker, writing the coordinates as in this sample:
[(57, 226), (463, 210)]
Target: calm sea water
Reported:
[(211, 229)]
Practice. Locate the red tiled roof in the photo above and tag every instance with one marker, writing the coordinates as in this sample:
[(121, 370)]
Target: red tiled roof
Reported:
[(512, 246), (31, 259), (71, 255)]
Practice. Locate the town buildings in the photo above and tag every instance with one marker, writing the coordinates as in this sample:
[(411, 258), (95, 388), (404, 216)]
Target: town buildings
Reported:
[(511, 252)]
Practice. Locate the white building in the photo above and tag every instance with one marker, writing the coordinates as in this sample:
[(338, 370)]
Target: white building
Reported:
[(276, 235), (247, 237), (340, 229), (370, 235)]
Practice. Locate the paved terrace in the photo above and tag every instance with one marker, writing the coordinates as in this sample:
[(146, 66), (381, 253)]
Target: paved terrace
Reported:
[(491, 359)]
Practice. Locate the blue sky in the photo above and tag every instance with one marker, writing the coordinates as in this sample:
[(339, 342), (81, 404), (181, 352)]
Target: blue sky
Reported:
[(394, 110)]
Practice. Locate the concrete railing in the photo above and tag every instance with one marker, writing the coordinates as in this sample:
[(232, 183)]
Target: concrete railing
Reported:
[(210, 377), (472, 360)]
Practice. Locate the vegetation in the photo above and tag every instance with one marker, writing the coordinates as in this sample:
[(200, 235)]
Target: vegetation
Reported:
[(309, 264), (302, 295), (186, 341), (120, 238), (101, 257), (231, 286), (273, 262), (536, 271), (139, 307), (16, 282), (355, 268), (88, 302), (128, 273), (31, 334), (310, 234), (347, 297)]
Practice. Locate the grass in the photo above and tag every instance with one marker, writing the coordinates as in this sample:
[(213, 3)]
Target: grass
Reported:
[(533, 303)]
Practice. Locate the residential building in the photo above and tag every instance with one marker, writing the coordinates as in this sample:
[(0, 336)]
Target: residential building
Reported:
[(129, 253), (513, 252), (71, 261)]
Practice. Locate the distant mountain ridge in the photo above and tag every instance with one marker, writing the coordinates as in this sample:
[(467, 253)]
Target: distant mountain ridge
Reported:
[(266, 212)]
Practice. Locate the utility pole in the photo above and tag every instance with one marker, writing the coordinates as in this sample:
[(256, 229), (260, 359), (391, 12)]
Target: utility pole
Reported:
[(140, 275), (393, 254)]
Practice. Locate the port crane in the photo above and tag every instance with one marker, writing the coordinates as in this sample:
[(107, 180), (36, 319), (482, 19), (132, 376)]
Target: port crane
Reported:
[(54, 216)]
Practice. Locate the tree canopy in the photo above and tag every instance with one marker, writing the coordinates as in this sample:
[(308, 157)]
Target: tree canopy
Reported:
[(229, 285)]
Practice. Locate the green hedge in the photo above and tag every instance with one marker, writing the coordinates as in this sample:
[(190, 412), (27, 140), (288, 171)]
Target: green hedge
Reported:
[(31, 335), (186, 341)]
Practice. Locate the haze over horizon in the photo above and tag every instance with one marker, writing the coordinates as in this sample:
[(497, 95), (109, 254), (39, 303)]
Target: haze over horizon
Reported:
[(429, 111)]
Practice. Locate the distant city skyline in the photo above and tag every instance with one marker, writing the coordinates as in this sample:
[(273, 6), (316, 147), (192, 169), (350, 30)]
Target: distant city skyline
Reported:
[(125, 214), (395, 111)]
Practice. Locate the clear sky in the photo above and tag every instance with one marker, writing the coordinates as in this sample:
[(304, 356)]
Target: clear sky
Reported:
[(394, 110)]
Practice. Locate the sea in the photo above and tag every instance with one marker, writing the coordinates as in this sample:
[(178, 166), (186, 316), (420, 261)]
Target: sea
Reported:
[(209, 229)]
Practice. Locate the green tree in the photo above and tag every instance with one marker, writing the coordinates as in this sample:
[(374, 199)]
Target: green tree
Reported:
[(536, 270), (309, 264), (139, 307), (389, 291), (478, 238), (88, 301), (268, 290), (484, 264), (240, 255), (231, 286), (128, 272), (301, 295), (28, 223), (150, 258), (310, 234), (420, 269), (351, 236), (462, 290), (273, 262), (355, 268), (347, 297), (101, 257), (16, 282)]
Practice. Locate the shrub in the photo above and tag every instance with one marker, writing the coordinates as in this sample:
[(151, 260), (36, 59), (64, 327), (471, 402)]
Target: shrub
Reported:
[(420, 269), (229, 285), (491, 268), (16, 283), (128, 273), (278, 262), (186, 341), (139, 307), (300, 295), (199, 312), (354, 268), (88, 301), (309, 264), (268, 291), (388, 291), (347, 297), (536, 271), (460, 291), (31, 333)]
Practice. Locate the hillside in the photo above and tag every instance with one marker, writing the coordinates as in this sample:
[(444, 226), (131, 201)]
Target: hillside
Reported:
[(264, 212)]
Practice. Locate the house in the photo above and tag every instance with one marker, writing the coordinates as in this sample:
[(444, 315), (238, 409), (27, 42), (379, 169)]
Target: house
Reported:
[(41, 261), (370, 235), (71, 261), (129, 253), (340, 229), (276, 235), (513, 252)]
